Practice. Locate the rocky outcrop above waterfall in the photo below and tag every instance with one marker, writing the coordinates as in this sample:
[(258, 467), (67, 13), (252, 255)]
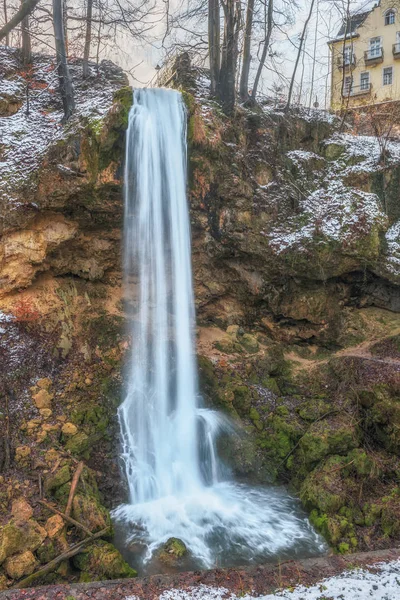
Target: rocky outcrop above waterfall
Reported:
[(60, 201)]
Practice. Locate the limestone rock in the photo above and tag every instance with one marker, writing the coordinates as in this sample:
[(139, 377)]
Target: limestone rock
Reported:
[(69, 429), (23, 455), (54, 525), (44, 383), (88, 511), (20, 565), (57, 479), (21, 510), (172, 552), (18, 536), (249, 342), (102, 561), (79, 443), (43, 399)]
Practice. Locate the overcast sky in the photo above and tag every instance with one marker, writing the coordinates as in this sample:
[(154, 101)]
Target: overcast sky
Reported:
[(143, 58)]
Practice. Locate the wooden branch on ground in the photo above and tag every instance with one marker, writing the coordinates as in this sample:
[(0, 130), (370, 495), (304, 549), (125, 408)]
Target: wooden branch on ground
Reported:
[(73, 551), (65, 517), (75, 481)]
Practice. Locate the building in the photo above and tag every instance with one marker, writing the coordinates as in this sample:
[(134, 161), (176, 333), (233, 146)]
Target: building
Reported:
[(365, 58)]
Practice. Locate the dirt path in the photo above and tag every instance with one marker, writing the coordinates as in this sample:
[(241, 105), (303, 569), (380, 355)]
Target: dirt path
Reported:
[(359, 351)]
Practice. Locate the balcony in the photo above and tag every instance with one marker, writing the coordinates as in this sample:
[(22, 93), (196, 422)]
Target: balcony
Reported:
[(396, 50), (373, 57), (346, 62), (357, 90)]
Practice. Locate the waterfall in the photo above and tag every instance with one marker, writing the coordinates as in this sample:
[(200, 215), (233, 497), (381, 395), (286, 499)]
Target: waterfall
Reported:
[(177, 484)]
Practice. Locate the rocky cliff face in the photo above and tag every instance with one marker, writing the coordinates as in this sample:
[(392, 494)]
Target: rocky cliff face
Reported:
[(296, 256)]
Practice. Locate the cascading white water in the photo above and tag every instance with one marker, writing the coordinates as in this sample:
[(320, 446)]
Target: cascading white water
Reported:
[(177, 485)]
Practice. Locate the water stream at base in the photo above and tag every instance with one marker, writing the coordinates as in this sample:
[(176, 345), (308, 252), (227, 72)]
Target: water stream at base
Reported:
[(178, 487)]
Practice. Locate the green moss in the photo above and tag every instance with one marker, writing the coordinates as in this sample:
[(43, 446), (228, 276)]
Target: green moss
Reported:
[(331, 436), (323, 487), (78, 444), (172, 552), (101, 561), (58, 479)]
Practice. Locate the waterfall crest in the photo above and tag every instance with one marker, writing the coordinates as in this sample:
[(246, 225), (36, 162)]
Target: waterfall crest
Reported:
[(177, 485)]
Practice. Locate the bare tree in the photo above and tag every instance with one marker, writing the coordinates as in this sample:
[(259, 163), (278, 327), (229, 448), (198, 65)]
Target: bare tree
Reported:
[(6, 21), (26, 40), (26, 8), (300, 48), (88, 38), (266, 44), (244, 78), (214, 42), (226, 90), (66, 89)]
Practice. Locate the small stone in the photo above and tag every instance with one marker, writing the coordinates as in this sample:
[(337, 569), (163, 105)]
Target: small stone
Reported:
[(48, 427), (69, 429), (62, 418), (41, 436), (21, 510), (233, 331), (54, 525), (32, 425), (249, 342), (3, 582), (46, 413), (44, 383), (22, 455), (88, 381), (51, 456), (20, 565), (43, 399), (57, 479)]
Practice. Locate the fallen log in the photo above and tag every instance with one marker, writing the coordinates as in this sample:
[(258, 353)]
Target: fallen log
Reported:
[(28, 581)]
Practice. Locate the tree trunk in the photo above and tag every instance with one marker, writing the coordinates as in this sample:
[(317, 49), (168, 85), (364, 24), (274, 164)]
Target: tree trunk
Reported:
[(226, 91), (88, 38), (66, 89), (244, 79), (6, 21), (27, 7), (303, 35), (26, 40), (65, 24), (268, 32), (214, 42)]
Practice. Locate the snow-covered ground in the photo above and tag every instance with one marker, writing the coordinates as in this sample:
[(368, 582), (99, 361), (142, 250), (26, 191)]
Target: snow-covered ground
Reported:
[(383, 583)]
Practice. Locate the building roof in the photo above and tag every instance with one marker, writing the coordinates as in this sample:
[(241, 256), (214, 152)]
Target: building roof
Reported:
[(349, 27)]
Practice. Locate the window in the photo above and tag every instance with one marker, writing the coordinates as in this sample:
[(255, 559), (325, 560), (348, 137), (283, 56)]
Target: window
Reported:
[(347, 85), (390, 17), (364, 81), (348, 55), (375, 50), (388, 76)]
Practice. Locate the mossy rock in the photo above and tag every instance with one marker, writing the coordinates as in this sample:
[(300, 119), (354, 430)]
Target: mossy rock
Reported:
[(89, 511), (78, 444), (57, 479), (172, 552), (324, 487), (249, 343), (101, 561), (384, 419), (336, 435), (314, 409), (16, 537)]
